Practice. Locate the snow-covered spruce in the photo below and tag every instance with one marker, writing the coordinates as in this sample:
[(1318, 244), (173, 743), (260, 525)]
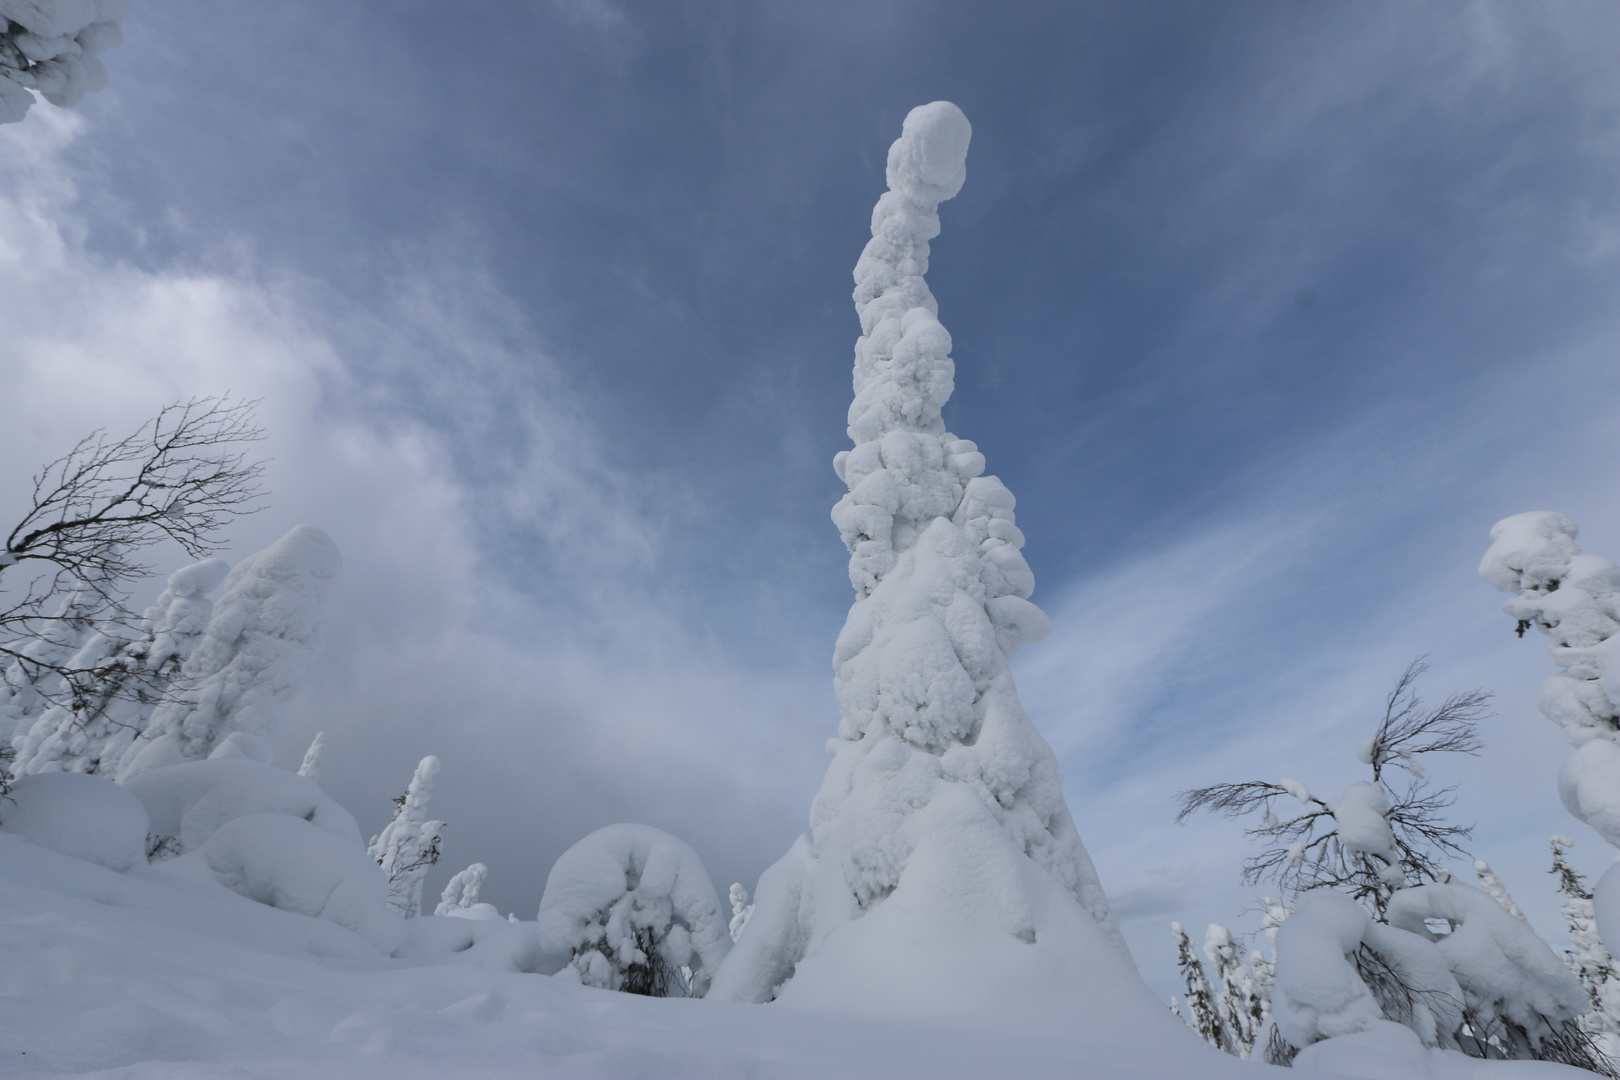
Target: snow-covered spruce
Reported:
[(1243, 1003), (461, 891), (740, 909), (1498, 891), (33, 680), (1587, 957), (940, 840), (51, 46), (123, 681), (628, 908), (408, 846), (1203, 1015), (262, 636)]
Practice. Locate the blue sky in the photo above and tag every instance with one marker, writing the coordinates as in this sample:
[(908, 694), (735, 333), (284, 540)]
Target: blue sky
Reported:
[(1265, 311)]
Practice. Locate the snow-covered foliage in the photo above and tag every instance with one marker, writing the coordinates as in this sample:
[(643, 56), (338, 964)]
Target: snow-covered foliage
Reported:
[(51, 46), (191, 801), (1376, 836), (33, 680), (1575, 600), (124, 681), (1452, 964), (262, 636), (288, 863), (461, 892), (408, 846), (940, 836), (627, 908), (86, 817), (310, 767), (1587, 957)]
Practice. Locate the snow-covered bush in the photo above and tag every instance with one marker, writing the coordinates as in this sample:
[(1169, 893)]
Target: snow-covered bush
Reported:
[(262, 636), (1376, 836), (408, 846), (51, 46), (291, 864), (86, 817), (461, 891), (627, 908), (940, 839), (189, 802), (119, 682)]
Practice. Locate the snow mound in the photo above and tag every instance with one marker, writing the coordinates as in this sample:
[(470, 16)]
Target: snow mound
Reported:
[(239, 744), (287, 863), (476, 939), (87, 817), (631, 896), (192, 800)]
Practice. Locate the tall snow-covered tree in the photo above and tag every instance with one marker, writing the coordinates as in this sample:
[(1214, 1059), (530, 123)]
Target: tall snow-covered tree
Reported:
[(51, 46), (408, 847), (120, 682), (940, 838), (260, 639), (1243, 1003)]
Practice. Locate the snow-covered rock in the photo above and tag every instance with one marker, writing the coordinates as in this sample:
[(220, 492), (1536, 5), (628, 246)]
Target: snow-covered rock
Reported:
[(87, 817), (621, 891), (288, 863), (190, 801)]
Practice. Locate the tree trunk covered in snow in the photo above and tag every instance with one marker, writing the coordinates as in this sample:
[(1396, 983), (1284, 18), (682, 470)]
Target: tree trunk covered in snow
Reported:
[(940, 829)]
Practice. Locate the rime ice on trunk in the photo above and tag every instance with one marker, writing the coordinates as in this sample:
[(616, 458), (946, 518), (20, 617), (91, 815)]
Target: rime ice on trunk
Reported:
[(940, 830)]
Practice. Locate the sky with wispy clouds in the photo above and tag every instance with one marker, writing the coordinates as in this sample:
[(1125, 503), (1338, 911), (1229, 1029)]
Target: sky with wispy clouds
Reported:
[(1264, 310)]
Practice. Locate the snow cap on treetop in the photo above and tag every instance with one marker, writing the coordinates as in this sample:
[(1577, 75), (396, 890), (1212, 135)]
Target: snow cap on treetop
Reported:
[(929, 159)]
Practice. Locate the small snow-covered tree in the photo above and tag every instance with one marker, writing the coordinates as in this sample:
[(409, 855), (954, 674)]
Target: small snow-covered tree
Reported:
[(631, 908), (263, 633), (408, 847), (310, 767), (741, 909), (118, 682), (1243, 1003), (51, 47), (1587, 957), (462, 889), (1377, 836), (1202, 1014)]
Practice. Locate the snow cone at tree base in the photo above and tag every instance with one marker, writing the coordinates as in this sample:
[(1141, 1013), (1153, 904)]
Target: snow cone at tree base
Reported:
[(943, 874)]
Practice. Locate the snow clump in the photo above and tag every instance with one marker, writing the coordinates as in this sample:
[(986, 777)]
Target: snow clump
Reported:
[(51, 47), (627, 908), (191, 801)]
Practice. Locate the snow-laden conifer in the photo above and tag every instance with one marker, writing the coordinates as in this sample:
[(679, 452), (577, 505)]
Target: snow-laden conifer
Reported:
[(51, 47), (408, 846), (740, 909), (1243, 1003), (310, 767), (260, 639), (33, 681), (940, 838), (461, 891), (1202, 1015), (120, 681), (1587, 957)]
